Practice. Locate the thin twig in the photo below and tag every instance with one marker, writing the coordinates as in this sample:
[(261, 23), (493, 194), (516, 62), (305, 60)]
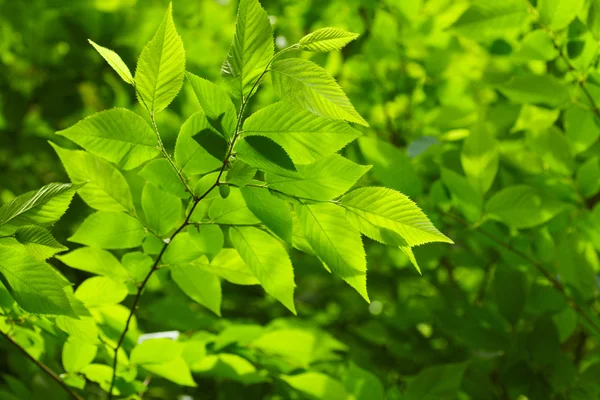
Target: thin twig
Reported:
[(559, 287), (44, 368), (197, 200)]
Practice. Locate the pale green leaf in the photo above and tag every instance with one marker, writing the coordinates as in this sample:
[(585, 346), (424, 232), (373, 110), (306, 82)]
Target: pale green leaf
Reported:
[(251, 50), (34, 285), (201, 286), (388, 209), (363, 384), (161, 67), (175, 370), (326, 39), (270, 210), (163, 210), (228, 265), (479, 158), (305, 136), (189, 155), (118, 135), (521, 206), (308, 86), (240, 174), (588, 177), (464, 196), (77, 354), (208, 239), (485, 20), (323, 180), (96, 261), (99, 291), (40, 243), (42, 207), (268, 261), (536, 89), (181, 250), (577, 263), (161, 173), (232, 210), (115, 61), (317, 385), (137, 265), (110, 230), (215, 102), (156, 351), (106, 188), (537, 45), (558, 14), (581, 127), (336, 242), (228, 366), (265, 154), (387, 162)]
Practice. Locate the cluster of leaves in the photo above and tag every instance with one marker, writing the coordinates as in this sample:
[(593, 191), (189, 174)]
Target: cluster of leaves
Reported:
[(281, 186)]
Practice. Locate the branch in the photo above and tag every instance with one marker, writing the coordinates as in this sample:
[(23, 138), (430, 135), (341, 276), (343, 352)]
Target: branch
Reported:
[(44, 368), (559, 287)]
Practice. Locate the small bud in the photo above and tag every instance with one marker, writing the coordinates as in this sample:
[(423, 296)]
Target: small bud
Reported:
[(224, 191)]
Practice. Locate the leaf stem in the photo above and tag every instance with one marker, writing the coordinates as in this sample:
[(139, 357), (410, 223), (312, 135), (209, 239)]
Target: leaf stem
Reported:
[(43, 367)]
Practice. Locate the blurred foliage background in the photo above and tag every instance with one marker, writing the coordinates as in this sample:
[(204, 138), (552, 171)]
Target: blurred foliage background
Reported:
[(485, 113)]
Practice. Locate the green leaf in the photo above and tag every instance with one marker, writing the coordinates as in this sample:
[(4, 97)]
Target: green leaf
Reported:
[(175, 370), (388, 209), (161, 67), (34, 285), (163, 210), (162, 175), (212, 142), (96, 261), (42, 207), (251, 50), (201, 286), (437, 382), (479, 158), (464, 196), (99, 291), (363, 384), (270, 210), (137, 265), (191, 158), (215, 102), (593, 19), (537, 45), (536, 89), (581, 128), (336, 242), (308, 86), (156, 351), (326, 39), (588, 177), (181, 250), (232, 210), (387, 160), (268, 261), (577, 263), (305, 136), (40, 243), (228, 265), (558, 14), (521, 206), (208, 239), (224, 191), (77, 354), (317, 385), (485, 20), (553, 147), (240, 174), (230, 367), (265, 154), (109, 230), (106, 188), (323, 180), (118, 135), (510, 289), (115, 62)]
